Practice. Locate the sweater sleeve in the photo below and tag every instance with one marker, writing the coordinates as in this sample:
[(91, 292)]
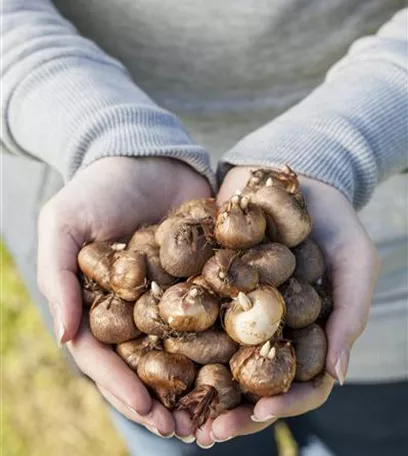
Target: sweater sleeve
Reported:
[(352, 131), (67, 103)]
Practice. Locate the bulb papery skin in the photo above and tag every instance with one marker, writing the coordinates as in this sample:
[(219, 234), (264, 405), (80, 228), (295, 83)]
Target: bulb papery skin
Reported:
[(199, 209), (168, 375), (284, 177), (259, 323), (202, 209), (220, 377), (132, 350), (111, 321), (146, 315), (274, 263), (215, 392), (260, 376), (287, 212), (239, 224), (95, 261), (188, 307), (186, 247), (89, 297), (128, 275), (208, 347), (227, 274), (91, 291)]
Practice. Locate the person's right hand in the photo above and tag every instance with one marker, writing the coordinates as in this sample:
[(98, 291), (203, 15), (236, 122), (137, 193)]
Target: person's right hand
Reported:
[(107, 201)]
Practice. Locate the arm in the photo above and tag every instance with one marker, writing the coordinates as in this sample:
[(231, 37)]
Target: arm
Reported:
[(68, 104), (351, 132)]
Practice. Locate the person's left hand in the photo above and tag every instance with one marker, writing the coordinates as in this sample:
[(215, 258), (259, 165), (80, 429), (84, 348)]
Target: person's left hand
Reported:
[(352, 265)]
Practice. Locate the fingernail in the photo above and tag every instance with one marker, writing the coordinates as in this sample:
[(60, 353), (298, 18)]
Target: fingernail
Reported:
[(59, 325), (187, 439), (256, 419), (206, 447), (154, 430), (216, 439), (341, 366)]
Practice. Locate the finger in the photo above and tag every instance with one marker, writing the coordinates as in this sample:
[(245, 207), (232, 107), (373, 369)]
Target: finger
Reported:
[(203, 438), (159, 421), (104, 367), (235, 423), (234, 181), (354, 270), (184, 426), (57, 279), (301, 398)]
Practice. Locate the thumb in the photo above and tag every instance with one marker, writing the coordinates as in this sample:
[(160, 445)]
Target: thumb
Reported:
[(354, 272), (57, 273)]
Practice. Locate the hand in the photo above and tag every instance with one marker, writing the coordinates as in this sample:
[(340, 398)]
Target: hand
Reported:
[(107, 201), (353, 266)]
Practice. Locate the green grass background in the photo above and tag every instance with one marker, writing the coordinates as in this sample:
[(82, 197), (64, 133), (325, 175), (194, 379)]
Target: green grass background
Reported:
[(47, 410)]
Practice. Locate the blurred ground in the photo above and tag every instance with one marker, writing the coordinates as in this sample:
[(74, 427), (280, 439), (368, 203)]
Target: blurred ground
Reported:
[(45, 409)]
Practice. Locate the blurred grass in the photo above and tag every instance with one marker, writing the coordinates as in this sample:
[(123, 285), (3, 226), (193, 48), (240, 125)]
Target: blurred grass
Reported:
[(45, 409)]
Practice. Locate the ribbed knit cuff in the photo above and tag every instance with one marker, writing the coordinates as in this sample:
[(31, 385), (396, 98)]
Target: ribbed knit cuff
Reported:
[(129, 131)]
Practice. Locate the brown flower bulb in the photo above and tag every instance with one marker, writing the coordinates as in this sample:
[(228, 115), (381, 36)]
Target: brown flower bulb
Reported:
[(264, 370), (202, 209), (310, 346), (207, 347), (309, 262), (132, 350), (186, 247), (274, 263), (111, 320), (239, 224), (286, 209), (95, 261), (227, 274), (303, 304), (188, 307), (128, 275), (168, 375), (254, 318), (146, 312)]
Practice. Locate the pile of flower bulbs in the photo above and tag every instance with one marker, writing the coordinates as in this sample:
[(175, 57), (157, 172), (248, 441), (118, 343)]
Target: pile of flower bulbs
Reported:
[(215, 306)]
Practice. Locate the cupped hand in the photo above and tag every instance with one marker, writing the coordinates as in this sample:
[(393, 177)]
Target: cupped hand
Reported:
[(353, 266), (107, 201)]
